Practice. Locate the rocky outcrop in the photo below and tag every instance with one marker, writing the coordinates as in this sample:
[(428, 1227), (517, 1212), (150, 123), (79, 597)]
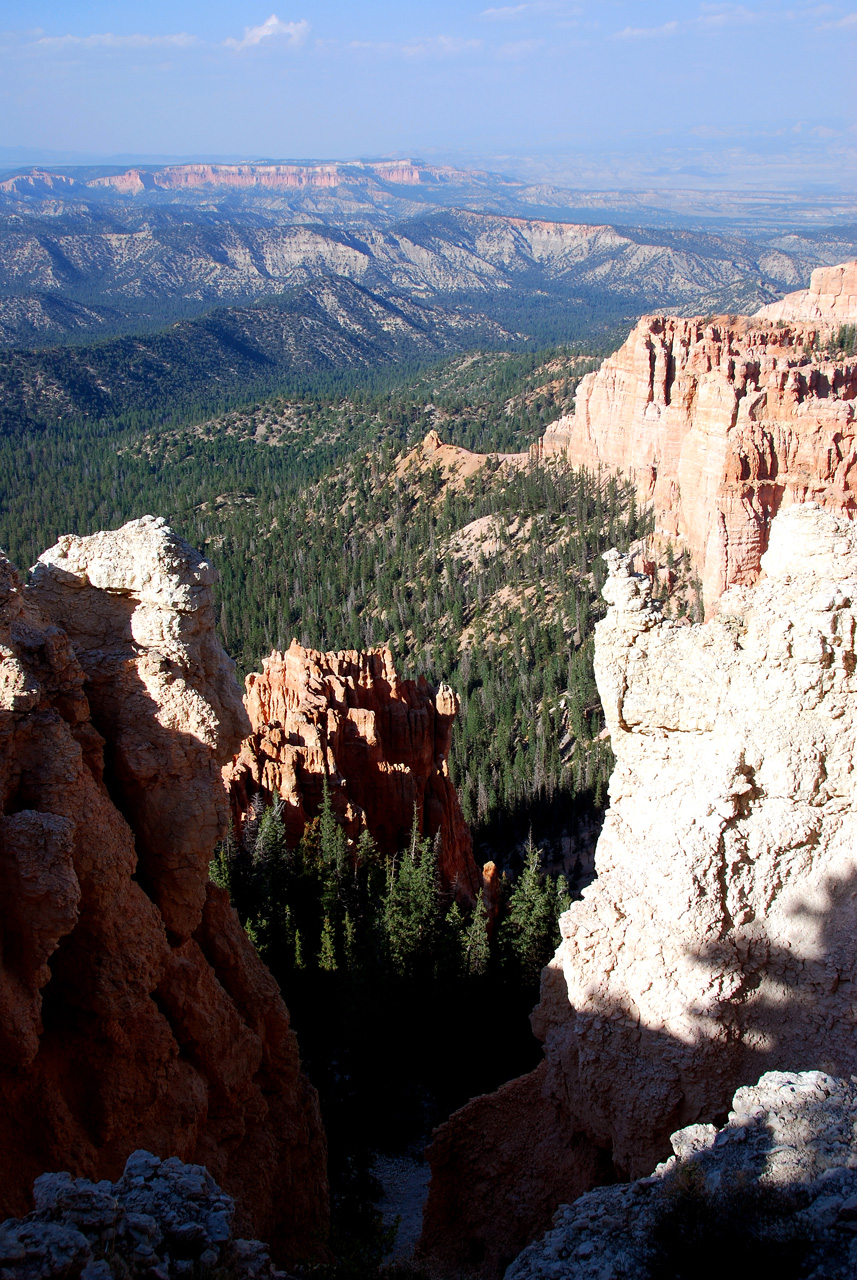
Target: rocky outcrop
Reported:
[(777, 1184), (719, 938), (161, 1218), (831, 299), (381, 743), (133, 1009), (720, 423)]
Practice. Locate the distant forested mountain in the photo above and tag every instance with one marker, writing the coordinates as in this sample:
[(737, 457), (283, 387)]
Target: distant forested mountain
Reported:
[(75, 271)]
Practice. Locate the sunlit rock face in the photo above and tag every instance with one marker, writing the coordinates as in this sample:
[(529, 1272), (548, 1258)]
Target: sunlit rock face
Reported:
[(718, 940), (722, 422), (381, 744), (134, 1012), (830, 299)]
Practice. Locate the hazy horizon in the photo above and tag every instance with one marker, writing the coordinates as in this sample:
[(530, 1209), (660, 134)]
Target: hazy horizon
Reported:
[(625, 93)]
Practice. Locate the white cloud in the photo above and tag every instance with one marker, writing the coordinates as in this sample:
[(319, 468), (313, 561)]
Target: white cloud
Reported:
[(505, 12), (731, 15), (108, 40), (440, 47), (647, 33), (850, 20), (295, 33), (738, 15), (518, 50), (430, 47)]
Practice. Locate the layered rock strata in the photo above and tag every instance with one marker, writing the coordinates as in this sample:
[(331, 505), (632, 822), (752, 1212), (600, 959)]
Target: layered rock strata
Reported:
[(382, 744), (720, 423), (134, 1012), (780, 1176), (719, 938)]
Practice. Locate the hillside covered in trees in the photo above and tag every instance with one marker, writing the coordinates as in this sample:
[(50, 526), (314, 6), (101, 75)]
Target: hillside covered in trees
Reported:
[(324, 528)]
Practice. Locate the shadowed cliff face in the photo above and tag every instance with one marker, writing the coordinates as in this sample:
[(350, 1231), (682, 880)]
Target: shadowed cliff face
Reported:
[(719, 938), (382, 744), (719, 423), (133, 1010)]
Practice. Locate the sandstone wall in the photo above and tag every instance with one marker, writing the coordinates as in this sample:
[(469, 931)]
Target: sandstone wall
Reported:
[(382, 743), (720, 938), (831, 298), (720, 424), (133, 1010)]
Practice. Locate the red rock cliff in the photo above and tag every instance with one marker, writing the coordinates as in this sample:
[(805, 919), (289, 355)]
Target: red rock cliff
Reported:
[(720, 423), (133, 1010), (382, 743)]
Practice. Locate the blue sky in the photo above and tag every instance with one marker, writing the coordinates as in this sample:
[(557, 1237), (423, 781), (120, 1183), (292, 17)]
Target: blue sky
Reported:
[(687, 89)]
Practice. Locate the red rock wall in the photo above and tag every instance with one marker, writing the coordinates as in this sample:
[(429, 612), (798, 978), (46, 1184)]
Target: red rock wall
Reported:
[(719, 424), (382, 743), (134, 1012)]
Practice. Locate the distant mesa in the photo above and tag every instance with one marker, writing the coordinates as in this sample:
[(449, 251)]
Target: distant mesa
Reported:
[(38, 182), (277, 177)]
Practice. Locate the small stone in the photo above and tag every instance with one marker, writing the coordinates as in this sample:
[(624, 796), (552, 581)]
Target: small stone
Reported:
[(96, 1271), (848, 1209)]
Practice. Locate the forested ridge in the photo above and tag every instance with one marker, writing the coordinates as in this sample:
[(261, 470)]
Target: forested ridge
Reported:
[(492, 584)]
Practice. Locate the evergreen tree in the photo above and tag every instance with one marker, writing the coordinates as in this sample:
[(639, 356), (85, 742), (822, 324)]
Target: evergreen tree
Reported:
[(327, 951), (412, 907), (332, 841), (222, 865), (477, 950), (529, 930)]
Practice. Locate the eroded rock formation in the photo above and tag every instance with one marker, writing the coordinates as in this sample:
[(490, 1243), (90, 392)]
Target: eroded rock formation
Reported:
[(719, 939), (831, 298), (778, 1181), (720, 423), (381, 743), (133, 1010)]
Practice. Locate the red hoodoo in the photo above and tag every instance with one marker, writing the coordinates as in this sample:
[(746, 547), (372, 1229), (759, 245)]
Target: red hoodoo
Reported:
[(381, 742)]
